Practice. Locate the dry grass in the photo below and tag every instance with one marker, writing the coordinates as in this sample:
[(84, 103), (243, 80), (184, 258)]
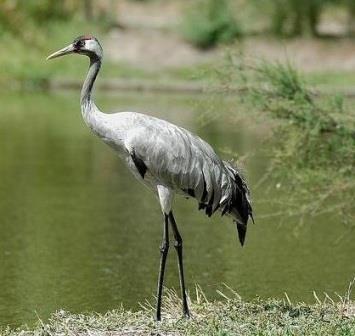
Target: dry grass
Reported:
[(231, 316)]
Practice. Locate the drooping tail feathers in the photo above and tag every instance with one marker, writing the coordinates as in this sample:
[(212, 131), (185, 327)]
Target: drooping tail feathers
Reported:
[(231, 197), (239, 205)]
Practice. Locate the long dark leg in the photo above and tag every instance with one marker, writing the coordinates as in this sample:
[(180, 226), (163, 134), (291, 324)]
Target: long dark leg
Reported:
[(178, 247), (164, 248)]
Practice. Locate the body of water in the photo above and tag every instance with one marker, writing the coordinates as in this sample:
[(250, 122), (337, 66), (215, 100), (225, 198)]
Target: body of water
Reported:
[(78, 232)]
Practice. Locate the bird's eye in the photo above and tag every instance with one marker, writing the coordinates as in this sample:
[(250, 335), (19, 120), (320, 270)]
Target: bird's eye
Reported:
[(79, 44)]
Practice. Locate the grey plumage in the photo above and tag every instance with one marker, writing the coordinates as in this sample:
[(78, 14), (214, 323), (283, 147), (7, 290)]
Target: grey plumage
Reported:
[(168, 159), (175, 158)]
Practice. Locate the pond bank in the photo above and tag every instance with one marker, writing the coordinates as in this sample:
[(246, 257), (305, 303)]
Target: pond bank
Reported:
[(232, 316), (189, 87), (154, 86)]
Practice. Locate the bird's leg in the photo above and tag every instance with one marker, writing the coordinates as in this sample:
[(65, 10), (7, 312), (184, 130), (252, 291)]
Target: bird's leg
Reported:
[(178, 247), (164, 248)]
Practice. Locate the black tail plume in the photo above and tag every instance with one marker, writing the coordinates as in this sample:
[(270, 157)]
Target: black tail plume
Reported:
[(240, 204), (242, 231)]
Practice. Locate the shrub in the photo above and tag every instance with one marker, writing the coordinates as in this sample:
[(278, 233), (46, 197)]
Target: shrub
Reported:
[(325, 135), (313, 147), (210, 22), (317, 140)]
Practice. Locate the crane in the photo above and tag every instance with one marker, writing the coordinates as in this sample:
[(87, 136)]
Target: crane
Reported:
[(168, 159)]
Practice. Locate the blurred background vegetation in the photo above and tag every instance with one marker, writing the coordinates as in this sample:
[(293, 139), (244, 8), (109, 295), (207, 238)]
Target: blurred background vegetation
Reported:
[(203, 17), (277, 85), (30, 29), (288, 17)]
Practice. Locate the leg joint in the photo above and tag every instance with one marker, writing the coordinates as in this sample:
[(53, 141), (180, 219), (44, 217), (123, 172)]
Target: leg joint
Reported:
[(164, 248), (178, 242)]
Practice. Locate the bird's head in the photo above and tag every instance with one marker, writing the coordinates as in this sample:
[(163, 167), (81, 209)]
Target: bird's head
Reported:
[(84, 45)]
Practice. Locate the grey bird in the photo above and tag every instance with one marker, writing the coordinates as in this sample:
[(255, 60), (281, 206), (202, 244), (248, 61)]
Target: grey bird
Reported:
[(168, 159)]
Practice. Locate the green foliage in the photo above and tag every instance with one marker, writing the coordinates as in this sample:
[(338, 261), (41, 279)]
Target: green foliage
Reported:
[(43, 10), (284, 80), (210, 22), (22, 12), (27, 20), (23, 61), (314, 143), (326, 135)]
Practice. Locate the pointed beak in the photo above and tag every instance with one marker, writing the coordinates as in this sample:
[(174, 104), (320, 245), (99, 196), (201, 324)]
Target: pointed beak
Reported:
[(65, 51)]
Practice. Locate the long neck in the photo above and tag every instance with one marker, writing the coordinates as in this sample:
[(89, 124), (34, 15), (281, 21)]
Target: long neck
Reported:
[(87, 104)]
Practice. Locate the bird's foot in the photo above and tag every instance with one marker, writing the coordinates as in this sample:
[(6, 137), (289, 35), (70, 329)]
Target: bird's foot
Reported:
[(158, 316), (187, 314)]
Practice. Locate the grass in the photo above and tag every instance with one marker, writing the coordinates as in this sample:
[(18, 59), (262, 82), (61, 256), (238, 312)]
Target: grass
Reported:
[(24, 66), (331, 79), (231, 316), (328, 125)]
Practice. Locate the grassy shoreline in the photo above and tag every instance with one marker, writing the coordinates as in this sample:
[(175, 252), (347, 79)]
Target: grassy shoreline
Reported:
[(231, 316)]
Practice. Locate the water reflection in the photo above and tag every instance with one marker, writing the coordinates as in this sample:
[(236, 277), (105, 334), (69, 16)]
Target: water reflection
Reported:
[(78, 232)]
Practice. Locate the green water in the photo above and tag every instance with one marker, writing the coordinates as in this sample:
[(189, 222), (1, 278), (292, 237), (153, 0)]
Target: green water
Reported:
[(78, 232)]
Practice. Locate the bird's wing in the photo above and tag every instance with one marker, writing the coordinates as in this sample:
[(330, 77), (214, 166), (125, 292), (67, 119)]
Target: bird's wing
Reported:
[(178, 159)]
